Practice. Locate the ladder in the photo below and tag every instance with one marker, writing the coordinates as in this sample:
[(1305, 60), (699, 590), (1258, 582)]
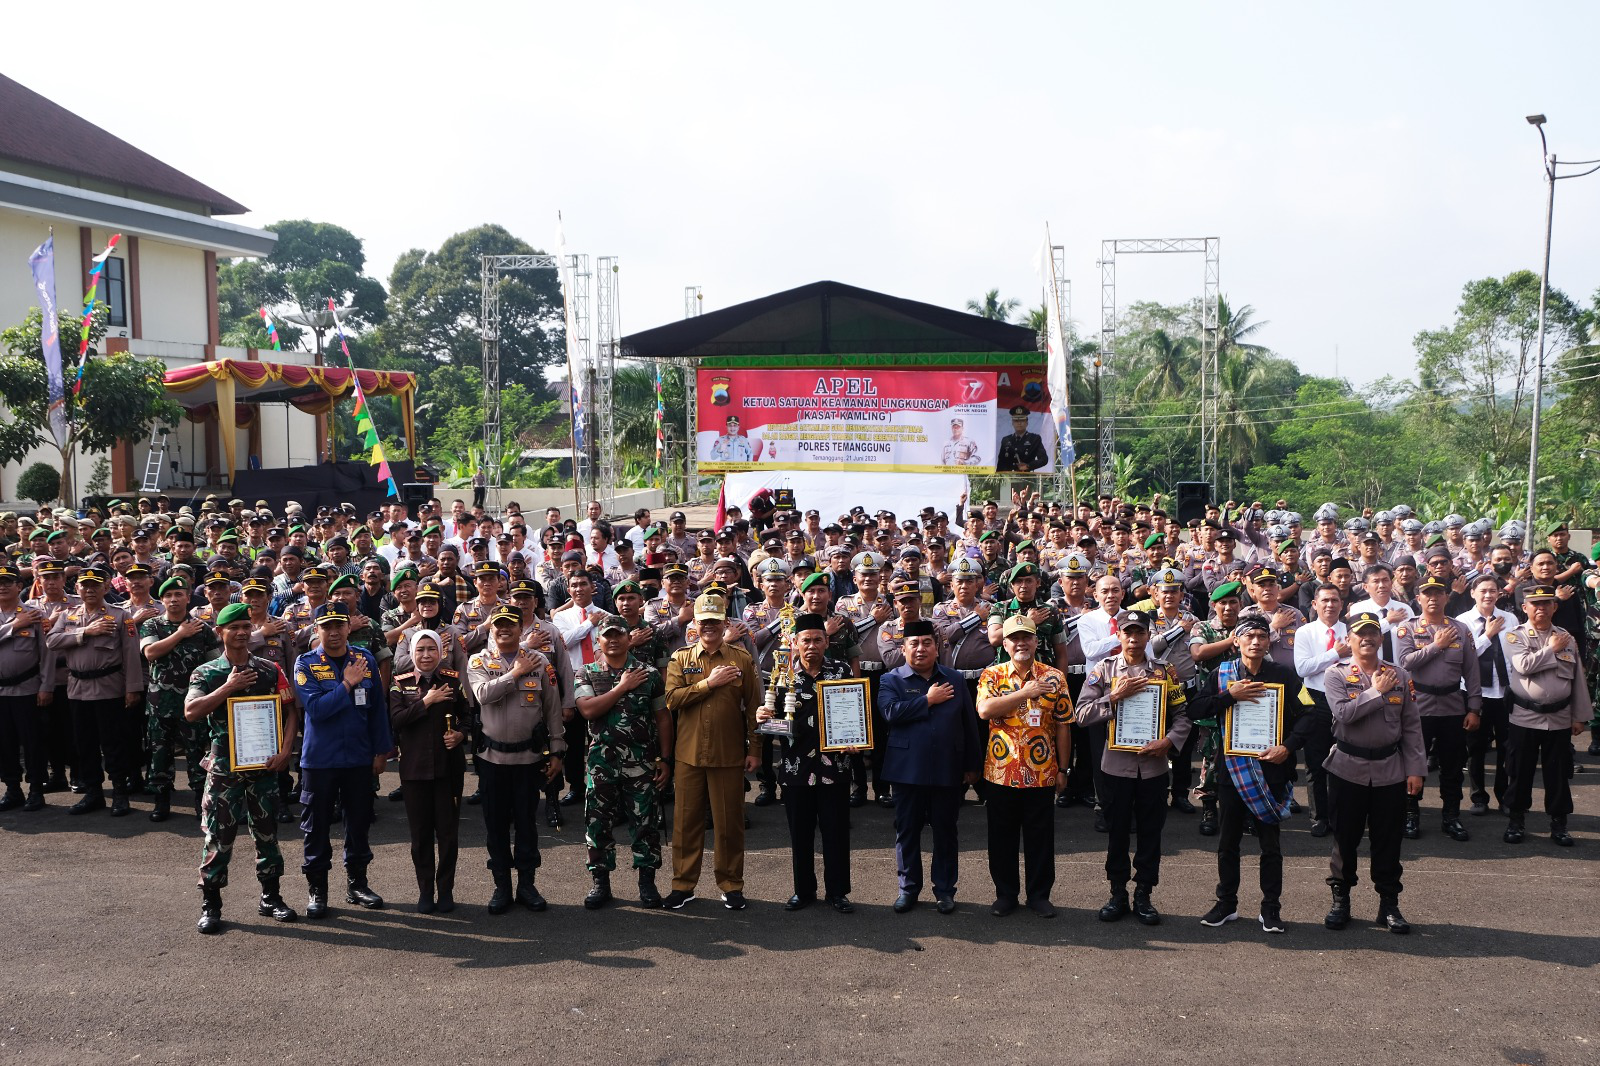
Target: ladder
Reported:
[(156, 456)]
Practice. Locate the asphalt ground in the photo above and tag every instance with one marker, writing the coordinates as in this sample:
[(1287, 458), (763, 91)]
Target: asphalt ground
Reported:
[(100, 961)]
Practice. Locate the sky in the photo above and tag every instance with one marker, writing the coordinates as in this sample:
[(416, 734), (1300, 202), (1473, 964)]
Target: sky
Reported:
[(1360, 162)]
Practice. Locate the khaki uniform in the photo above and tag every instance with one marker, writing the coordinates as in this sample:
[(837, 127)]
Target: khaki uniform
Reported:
[(1549, 695), (101, 670)]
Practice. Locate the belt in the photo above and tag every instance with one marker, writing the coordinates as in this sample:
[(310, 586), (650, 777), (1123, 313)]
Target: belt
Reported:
[(1540, 708), (508, 749), (1367, 753), (91, 675), (1435, 690), (1078, 669), (872, 666), (971, 675), (17, 679)]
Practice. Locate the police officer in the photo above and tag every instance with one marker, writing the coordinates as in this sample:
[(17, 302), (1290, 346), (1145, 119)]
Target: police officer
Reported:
[(1020, 450), (1437, 651), (868, 609), (1549, 705), (27, 690), (347, 742)]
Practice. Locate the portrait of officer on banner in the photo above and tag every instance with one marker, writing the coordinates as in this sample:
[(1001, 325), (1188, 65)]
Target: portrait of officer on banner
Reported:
[(732, 446), (1021, 451), (960, 449)]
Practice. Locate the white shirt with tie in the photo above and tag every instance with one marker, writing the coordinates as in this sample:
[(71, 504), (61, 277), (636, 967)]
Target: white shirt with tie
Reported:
[(1314, 652), (1476, 621), (1097, 637)]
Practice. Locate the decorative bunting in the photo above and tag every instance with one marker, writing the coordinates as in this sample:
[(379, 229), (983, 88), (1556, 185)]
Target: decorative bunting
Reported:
[(661, 415), (272, 330), (364, 426), (88, 309)]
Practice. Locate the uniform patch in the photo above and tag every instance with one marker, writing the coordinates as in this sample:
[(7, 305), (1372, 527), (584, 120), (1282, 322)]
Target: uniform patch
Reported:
[(1402, 631), (300, 677), (322, 673)]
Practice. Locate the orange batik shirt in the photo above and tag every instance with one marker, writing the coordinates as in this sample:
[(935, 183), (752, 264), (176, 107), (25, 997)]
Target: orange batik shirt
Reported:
[(1022, 746)]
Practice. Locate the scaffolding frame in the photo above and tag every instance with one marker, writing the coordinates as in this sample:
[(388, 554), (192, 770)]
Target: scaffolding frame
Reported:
[(693, 305), (1210, 248), (1061, 293)]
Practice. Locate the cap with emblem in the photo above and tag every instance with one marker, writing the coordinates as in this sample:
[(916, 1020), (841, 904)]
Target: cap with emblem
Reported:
[(218, 577), (1022, 570), (93, 575), (672, 570), (1075, 564), (505, 613), (964, 568), (428, 593), (136, 570), (8, 570), (1364, 621), (1534, 594), (1018, 623), (1328, 512), (611, 623), (255, 584), (710, 609), (315, 572), (771, 568), (1454, 521), (987, 534), (1410, 525), (49, 566), (1135, 619), (1432, 584), (330, 612), (910, 550), (805, 562), (488, 569), (867, 562), (621, 588), (1264, 572)]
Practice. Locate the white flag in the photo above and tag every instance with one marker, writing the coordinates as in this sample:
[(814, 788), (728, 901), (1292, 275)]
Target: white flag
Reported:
[(1057, 362)]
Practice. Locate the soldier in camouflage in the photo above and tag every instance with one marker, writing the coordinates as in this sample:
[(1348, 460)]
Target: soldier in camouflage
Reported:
[(173, 645), (233, 796), (624, 701)]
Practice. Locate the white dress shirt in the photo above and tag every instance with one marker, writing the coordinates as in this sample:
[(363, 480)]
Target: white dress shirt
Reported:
[(1312, 656), (1096, 638), (1473, 620)]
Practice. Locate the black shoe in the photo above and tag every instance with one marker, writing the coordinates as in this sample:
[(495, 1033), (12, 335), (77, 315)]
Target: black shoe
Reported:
[(1338, 915), (12, 799), (1389, 915), (285, 815), (1433, 764), (358, 892), (1143, 909), (1478, 808), (93, 801), (1413, 825), (885, 798), (1220, 914), (1063, 801), (317, 895), (425, 903), (446, 902), (272, 904), (1271, 919), (1181, 804), (500, 898), (56, 783), (1559, 834), (528, 894), (676, 899), (1454, 829), (842, 904), (1208, 821), (163, 807), (904, 902), (35, 800), (734, 901), (1319, 828), (798, 902), (1003, 907), (210, 911), (1594, 746), (1042, 908), (858, 797), (1513, 833), (119, 805), (77, 787), (552, 815), (571, 798), (1116, 908), (397, 794), (649, 895), (767, 796), (600, 894), (1099, 820), (476, 797), (1294, 806), (945, 905)]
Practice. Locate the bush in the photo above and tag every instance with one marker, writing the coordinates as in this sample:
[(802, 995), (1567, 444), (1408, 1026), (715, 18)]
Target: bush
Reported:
[(40, 483)]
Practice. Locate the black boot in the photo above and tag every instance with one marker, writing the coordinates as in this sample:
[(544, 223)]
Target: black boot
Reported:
[(1453, 828), (272, 904), (357, 891), (1338, 915), (1208, 817), (1413, 825), (649, 895), (12, 799), (210, 911), (1559, 834), (317, 895), (600, 894), (35, 800), (1513, 833), (1143, 909), (163, 808), (767, 796), (92, 801), (500, 898), (1389, 915), (528, 893), (1116, 907)]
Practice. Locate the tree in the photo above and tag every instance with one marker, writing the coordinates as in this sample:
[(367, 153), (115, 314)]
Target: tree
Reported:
[(1164, 365), (436, 308), (1233, 329), (311, 263), (992, 307), (40, 483), (121, 398), (1239, 434)]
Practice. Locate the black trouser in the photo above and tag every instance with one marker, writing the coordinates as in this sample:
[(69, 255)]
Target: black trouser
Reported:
[(1444, 736), (1494, 721), (433, 813), (1379, 812), (21, 741), (938, 806), (1183, 761), (1129, 803), (1028, 815), (1527, 748), (1319, 742), (1234, 816), (767, 772), (812, 808), (576, 734), (870, 765), (136, 736), (478, 493), (102, 731), (1093, 740), (321, 789), (510, 795), (60, 749), (1084, 764)]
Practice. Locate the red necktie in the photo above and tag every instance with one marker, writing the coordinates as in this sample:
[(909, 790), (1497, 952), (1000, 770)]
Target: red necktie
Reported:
[(1330, 638), (1114, 630)]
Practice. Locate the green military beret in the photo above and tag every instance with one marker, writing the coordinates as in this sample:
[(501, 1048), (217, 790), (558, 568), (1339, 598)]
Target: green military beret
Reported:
[(1022, 570), (431, 530), (53, 537), (173, 584), (1024, 544), (404, 573), (1226, 589), (1437, 538), (814, 579), (234, 612), (986, 535), (343, 582), (1153, 539), (231, 534)]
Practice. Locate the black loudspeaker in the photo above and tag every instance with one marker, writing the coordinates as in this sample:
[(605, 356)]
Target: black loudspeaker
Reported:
[(1193, 496), (415, 493)]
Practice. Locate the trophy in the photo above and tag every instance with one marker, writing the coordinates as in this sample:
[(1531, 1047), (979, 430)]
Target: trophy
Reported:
[(781, 725)]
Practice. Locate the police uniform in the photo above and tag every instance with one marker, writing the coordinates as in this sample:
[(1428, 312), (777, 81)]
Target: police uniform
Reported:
[(1549, 696), (26, 670), (61, 752), (1447, 688), (1021, 450)]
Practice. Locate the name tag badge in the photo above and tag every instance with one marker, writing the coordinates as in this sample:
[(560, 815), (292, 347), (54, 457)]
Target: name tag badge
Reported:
[(360, 695)]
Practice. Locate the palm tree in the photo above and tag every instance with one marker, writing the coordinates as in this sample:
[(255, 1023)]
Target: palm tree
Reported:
[(1168, 365), (1239, 438), (992, 307), (1235, 327)]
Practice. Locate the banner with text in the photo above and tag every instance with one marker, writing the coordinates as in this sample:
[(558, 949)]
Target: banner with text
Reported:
[(933, 421)]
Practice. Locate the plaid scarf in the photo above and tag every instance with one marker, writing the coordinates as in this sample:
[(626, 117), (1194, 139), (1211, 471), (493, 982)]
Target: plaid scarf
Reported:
[(1246, 773)]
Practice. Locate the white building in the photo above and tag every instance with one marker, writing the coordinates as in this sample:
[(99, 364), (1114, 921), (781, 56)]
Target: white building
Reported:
[(58, 170)]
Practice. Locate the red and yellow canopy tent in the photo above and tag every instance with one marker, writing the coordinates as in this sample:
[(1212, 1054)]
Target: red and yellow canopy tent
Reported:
[(229, 391)]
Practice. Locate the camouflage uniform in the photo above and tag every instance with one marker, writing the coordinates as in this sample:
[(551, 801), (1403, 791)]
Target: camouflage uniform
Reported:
[(624, 747), (1049, 630), (166, 729), (232, 797)]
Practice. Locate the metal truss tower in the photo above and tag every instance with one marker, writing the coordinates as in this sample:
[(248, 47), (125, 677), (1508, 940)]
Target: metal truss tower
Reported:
[(1062, 295), (693, 305), (1210, 430), (608, 336)]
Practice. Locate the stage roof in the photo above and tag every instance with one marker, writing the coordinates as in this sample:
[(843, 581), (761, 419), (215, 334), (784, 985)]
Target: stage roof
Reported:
[(824, 318)]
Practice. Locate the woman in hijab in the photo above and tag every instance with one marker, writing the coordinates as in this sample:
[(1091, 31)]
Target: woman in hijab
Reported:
[(429, 712)]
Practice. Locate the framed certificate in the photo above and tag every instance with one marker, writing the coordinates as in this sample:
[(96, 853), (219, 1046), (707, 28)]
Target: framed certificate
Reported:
[(1139, 719), (1252, 726), (255, 731), (844, 714)]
